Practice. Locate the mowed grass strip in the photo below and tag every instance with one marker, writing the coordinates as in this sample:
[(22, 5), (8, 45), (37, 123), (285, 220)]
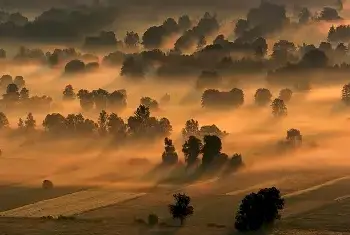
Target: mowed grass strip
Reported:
[(72, 204)]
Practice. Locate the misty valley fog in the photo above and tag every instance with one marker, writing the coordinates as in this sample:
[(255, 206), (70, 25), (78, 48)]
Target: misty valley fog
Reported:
[(109, 108)]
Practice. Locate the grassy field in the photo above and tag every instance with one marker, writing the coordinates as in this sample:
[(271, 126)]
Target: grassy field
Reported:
[(317, 202)]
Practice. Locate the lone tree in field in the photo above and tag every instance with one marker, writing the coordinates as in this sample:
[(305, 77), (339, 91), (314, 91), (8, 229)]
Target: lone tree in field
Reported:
[(345, 94), (262, 96), (259, 209), (181, 208), (191, 150), (279, 108), (294, 137)]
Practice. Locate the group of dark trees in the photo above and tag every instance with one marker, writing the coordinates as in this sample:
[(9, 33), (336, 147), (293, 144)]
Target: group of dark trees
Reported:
[(212, 98), (339, 33), (17, 96), (210, 149), (155, 36), (58, 24), (216, 64), (192, 128), (232, 99), (139, 126), (99, 99), (78, 66)]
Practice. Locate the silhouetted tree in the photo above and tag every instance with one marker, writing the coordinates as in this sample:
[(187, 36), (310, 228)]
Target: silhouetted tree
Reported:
[(181, 208), (315, 59), (106, 40), (294, 137), (4, 122), (47, 184), (19, 81), (139, 122), (153, 37), (212, 98), (285, 95), (103, 123), (54, 123), (77, 124), (116, 126), (74, 66), (68, 93), (326, 47), (211, 149), (235, 162), (150, 103), (12, 93), (211, 130), (329, 14), (259, 209), (131, 39), (114, 58), (24, 94), (86, 99), (279, 108), (345, 96), (169, 156), (20, 124), (260, 46), (262, 96), (30, 122), (117, 100), (284, 51), (100, 97), (163, 127), (191, 150), (191, 129), (132, 68)]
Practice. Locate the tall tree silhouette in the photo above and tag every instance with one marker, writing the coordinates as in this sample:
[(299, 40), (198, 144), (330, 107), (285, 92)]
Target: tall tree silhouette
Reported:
[(191, 149), (211, 149), (169, 156)]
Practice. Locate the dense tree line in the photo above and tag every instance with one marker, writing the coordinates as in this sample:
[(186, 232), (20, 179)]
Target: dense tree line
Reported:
[(140, 125)]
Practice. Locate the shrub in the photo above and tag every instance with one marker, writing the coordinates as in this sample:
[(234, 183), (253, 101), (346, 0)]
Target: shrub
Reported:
[(153, 219), (47, 184)]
